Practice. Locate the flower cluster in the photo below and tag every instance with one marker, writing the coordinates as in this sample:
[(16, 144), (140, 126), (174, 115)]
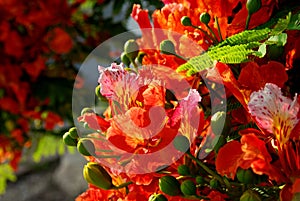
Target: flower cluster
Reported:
[(204, 106), (42, 44)]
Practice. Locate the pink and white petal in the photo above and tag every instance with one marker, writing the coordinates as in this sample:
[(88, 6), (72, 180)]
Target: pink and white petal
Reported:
[(274, 112)]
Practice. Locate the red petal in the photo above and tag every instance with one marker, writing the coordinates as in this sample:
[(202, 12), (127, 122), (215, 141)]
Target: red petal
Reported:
[(229, 159)]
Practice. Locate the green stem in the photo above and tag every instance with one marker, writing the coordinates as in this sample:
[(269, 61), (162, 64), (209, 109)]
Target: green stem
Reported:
[(247, 21), (219, 29), (209, 171), (205, 32), (212, 32), (123, 185)]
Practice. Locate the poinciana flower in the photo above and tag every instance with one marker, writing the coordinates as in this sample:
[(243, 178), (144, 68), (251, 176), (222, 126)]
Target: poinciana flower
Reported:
[(277, 116), (139, 125)]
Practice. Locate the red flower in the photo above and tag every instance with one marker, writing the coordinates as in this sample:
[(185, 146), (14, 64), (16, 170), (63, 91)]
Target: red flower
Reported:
[(250, 152), (255, 77), (59, 41)]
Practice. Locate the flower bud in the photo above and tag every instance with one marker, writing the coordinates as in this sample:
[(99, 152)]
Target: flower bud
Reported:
[(68, 140), (245, 176), (205, 18), (214, 183), (169, 185), (186, 21), (86, 147), (181, 143), (250, 195), (95, 174), (125, 60), (131, 49), (188, 187), (157, 197), (200, 180), (183, 170), (220, 143), (87, 110), (253, 6), (167, 47), (73, 133), (98, 94), (140, 57), (220, 123)]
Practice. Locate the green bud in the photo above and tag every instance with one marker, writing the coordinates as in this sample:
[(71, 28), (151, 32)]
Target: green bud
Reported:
[(220, 123), (181, 143), (183, 170), (214, 183), (245, 176), (68, 140), (188, 187), (95, 174), (157, 197), (125, 60), (205, 18), (250, 195), (87, 110), (220, 143), (200, 180), (253, 6), (186, 21), (167, 47), (98, 94), (73, 133), (86, 147), (169, 185), (131, 49), (140, 57)]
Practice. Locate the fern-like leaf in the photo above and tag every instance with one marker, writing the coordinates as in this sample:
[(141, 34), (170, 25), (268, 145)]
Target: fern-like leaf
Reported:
[(6, 173), (49, 145)]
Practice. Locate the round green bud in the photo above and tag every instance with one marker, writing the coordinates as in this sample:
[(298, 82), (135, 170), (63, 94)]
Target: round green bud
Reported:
[(250, 195), (214, 183), (204, 18), (157, 197), (188, 187), (73, 133), (169, 185), (95, 174), (220, 123), (131, 49), (125, 60), (253, 6), (200, 180), (186, 21), (68, 140), (181, 143), (86, 147), (167, 47), (245, 176), (140, 57), (98, 94), (220, 143), (183, 170), (87, 110)]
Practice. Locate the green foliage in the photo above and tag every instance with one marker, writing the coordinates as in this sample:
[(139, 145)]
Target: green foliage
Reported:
[(50, 145), (239, 47), (6, 173)]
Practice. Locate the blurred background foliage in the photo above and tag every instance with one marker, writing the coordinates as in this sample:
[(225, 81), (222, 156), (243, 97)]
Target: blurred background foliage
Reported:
[(42, 45)]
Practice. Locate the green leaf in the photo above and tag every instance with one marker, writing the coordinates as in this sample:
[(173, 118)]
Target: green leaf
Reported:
[(279, 40), (49, 145), (262, 50), (6, 173), (295, 22)]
